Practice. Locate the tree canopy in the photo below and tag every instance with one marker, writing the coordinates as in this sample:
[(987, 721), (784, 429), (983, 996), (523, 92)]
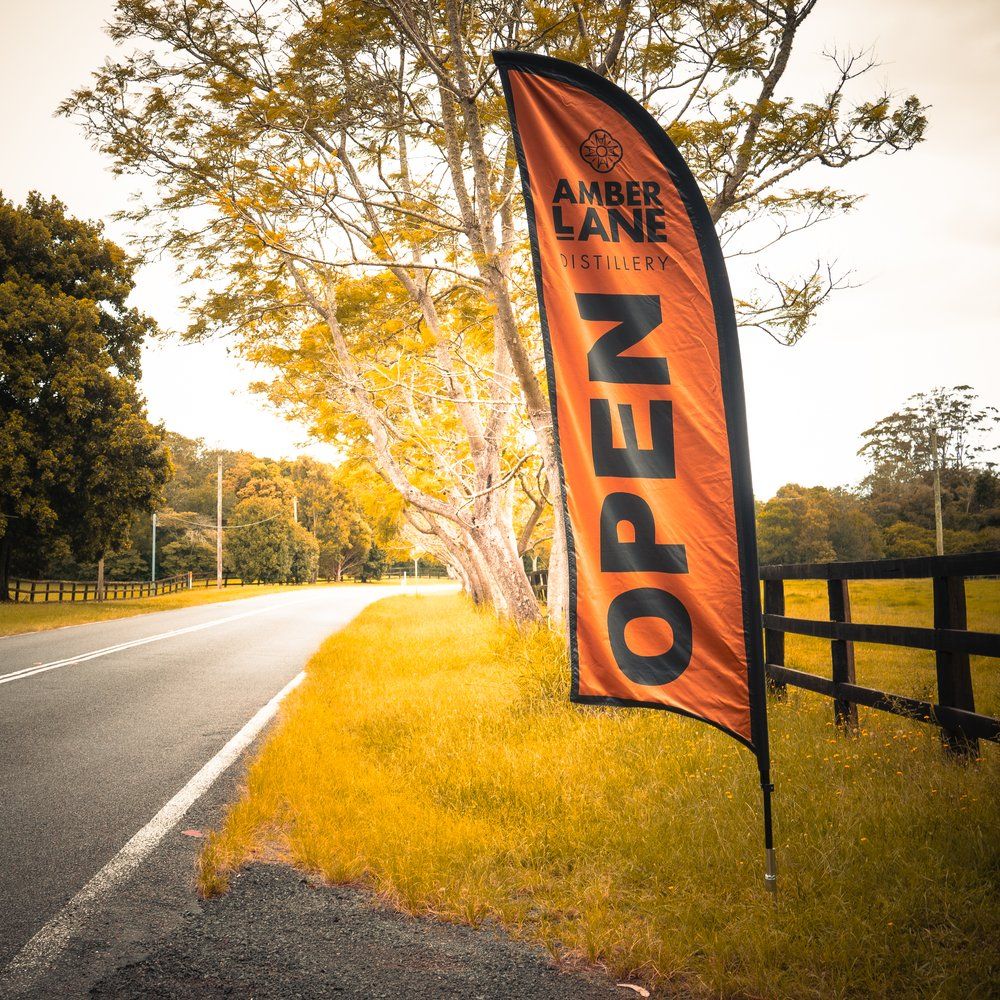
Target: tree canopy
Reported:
[(78, 458), (952, 421), (344, 174)]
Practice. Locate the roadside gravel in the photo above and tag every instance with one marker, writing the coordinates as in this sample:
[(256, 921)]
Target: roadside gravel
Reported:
[(275, 934)]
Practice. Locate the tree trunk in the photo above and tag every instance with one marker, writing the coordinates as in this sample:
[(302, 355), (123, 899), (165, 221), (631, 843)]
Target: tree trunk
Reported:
[(472, 561), (459, 552), (100, 579), (510, 591), (5, 549), (557, 596), (938, 519), (463, 577)]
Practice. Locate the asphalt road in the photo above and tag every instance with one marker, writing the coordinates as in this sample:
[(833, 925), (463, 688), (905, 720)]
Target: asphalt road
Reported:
[(91, 750)]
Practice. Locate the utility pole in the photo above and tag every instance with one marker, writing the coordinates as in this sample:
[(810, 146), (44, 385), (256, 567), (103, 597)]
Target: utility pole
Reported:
[(218, 527), (938, 520), (416, 570), (152, 560)]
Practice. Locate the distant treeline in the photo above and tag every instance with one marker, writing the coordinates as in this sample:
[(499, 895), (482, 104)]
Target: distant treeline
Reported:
[(289, 521), (891, 514), (816, 524)]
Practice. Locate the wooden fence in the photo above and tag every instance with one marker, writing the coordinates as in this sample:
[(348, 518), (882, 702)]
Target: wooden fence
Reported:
[(231, 580), (395, 571), (211, 580), (43, 591), (950, 639)]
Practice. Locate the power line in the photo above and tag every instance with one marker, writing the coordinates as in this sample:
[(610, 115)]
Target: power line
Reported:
[(211, 527)]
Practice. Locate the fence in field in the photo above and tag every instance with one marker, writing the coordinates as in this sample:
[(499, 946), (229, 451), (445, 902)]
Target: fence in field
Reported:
[(949, 638), (430, 571), (43, 591), (228, 580)]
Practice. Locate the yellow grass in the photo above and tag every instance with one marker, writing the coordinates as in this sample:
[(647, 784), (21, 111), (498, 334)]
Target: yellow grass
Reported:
[(22, 617), (432, 755)]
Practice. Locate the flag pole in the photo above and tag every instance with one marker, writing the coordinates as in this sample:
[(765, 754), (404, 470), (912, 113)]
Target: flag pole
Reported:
[(771, 858), (758, 691), (757, 684)]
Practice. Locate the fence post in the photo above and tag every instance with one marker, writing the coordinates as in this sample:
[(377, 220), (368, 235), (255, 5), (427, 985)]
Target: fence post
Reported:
[(31, 595), (954, 678), (774, 639), (845, 712)]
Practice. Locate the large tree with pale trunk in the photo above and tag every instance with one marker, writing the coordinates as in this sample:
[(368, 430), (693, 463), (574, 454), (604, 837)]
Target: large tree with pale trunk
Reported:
[(344, 177)]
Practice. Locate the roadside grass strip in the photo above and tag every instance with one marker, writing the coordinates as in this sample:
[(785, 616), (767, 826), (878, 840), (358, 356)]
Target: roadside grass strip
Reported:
[(22, 618), (432, 755)]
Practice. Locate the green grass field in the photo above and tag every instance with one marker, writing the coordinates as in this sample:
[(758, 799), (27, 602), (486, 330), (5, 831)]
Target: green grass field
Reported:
[(433, 756), (23, 617)]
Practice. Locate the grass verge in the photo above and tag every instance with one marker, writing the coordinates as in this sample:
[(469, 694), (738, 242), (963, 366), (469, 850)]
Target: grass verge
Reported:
[(23, 617), (432, 755)]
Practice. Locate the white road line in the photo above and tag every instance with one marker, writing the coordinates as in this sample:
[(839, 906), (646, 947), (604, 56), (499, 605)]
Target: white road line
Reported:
[(44, 948), (41, 668)]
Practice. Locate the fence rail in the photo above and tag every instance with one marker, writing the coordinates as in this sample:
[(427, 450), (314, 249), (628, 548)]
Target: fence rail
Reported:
[(43, 591), (395, 571), (211, 580), (949, 638)]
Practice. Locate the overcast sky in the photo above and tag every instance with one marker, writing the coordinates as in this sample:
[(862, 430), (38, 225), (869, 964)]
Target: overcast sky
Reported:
[(924, 245)]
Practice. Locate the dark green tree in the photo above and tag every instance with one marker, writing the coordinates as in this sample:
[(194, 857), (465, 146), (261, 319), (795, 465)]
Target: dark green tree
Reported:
[(192, 553), (78, 458), (259, 541), (329, 507), (374, 565), (305, 555), (815, 524), (952, 421)]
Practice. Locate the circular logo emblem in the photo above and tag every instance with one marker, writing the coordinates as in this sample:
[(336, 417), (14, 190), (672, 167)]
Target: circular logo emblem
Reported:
[(601, 150)]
